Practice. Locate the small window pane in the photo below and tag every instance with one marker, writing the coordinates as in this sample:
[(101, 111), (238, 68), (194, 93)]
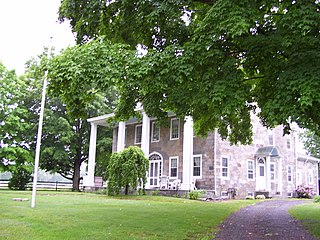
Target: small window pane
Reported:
[(174, 128), (155, 132), (138, 134)]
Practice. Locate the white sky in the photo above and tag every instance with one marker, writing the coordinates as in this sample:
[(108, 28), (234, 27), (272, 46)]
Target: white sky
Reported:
[(26, 27)]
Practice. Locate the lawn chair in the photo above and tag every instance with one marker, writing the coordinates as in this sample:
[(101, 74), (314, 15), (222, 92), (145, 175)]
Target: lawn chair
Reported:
[(164, 182)]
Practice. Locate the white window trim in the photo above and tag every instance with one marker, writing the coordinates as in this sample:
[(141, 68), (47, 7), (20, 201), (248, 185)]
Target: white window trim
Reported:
[(135, 134), (173, 119), (291, 173), (249, 160), (228, 168), (271, 133), (170, 158), (310, 176), (274, 172), (197, 177), (152, 130), (288, 143)]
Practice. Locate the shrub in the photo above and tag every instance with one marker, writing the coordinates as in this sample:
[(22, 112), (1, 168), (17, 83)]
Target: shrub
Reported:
[(316, 199), (249, 197), (305, 192), (261, 197), (20, 178), (194, 195)]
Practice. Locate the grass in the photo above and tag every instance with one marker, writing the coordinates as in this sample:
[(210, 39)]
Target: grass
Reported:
[(309, 215), (65, 215)]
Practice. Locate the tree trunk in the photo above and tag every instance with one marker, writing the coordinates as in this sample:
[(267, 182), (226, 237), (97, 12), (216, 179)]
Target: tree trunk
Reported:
[(76, 176), (126, 189)]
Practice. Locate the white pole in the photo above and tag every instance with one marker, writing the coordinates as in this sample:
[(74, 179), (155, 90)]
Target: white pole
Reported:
[(37, 157)]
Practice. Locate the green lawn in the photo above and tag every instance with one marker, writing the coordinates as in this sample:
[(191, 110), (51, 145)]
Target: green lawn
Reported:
[(65, 215), (309, 215)]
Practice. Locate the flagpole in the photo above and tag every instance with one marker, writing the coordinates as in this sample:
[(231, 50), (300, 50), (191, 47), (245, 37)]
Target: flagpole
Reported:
[(37, 156)]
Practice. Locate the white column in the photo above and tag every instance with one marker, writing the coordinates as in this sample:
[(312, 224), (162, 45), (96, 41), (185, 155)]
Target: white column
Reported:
[(280, 176), (92, 155), (187, 153), (145, 138), (268, 182), (121, 136)]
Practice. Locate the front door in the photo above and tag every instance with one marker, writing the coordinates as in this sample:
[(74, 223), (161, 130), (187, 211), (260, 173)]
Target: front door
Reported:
[(155, 169), (261, 174)]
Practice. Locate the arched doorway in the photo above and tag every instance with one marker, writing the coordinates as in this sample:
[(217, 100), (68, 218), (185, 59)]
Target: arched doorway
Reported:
[(155, 169)]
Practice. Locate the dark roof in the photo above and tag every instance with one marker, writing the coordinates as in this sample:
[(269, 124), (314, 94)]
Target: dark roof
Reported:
[(267, 151)]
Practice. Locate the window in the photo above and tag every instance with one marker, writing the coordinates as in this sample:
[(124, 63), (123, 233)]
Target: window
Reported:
[(272, 176), (289, 173), (173, 167), (270, 135), (288, 143), (197, 166), (174, 129), (138, 134), (225, 167), (155, 135), (310, 176), (299, 177), (250, 169)]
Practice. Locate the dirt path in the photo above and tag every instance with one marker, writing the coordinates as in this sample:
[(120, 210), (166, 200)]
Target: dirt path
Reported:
[(266, 220)]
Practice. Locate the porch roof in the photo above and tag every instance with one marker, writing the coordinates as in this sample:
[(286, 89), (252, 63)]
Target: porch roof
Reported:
[(304, 157), (267, 151)]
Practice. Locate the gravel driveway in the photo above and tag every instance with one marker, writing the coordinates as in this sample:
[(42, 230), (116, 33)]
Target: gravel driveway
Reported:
[(264, 220)]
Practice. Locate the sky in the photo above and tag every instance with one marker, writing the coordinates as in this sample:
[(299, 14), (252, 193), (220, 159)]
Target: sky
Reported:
[(26, 28)]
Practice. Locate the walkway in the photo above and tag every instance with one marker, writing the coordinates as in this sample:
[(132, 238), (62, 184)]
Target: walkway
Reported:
[(265, 220)]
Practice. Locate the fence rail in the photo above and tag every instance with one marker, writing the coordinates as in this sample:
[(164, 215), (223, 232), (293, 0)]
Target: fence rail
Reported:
[(45, 185)]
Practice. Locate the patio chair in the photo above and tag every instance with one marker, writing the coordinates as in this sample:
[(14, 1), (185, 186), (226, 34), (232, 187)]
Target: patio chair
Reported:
[(164, 182)]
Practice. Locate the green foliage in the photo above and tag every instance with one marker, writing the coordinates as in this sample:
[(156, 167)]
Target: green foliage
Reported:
[(127, 169), (196, 194), (316, 199), (214, 60), (21, 176)]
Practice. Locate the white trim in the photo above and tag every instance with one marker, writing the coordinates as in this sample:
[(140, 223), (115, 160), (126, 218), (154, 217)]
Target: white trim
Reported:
[(274, 171), (228, 171), (135, 134), (291, 173), (170, 164), (271, 133), (173, 119), (253, 178), (195, 156), (152, 131)]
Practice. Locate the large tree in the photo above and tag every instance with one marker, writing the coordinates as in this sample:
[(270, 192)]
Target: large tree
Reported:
[(215, 60), (65, 138)]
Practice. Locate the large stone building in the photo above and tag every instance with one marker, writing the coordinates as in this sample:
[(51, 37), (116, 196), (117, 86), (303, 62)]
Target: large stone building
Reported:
[(271, 165)]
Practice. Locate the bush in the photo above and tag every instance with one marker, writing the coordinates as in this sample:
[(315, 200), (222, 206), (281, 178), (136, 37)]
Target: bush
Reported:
[(316, 199), (194, 195), (305, 192), (20, 178)]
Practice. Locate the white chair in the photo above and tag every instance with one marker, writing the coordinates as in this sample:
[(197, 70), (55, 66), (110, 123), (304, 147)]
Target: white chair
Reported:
[(164, 182)]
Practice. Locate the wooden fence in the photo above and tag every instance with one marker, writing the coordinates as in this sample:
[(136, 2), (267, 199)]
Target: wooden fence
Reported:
[(43, 185)]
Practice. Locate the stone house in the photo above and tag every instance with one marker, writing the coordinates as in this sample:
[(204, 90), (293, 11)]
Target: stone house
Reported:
[(271, 165)]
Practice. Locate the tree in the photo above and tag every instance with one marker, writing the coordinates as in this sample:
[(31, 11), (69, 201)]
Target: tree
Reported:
[(16, 129), (215, 60), (311, 142), (65, 138), (127, 169)]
